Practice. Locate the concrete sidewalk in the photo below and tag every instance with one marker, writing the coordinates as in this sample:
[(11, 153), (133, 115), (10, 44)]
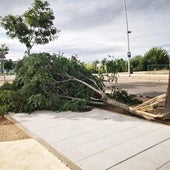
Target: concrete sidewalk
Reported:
[(28, 154), (100, 139)]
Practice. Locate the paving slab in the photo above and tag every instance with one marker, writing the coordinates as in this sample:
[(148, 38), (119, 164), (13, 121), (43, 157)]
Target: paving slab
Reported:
[(28, 154), (101, 139)]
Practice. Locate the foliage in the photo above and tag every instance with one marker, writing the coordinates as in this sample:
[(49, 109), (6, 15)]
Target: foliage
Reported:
[(5, 101), (123, 96), (113, 66), (6, 86), (156, 56), (91, 67), (109, 69), (137, 63), (43, 81), (35, 26), (95, 66), (121, 65), (9, 65), (3, 50)]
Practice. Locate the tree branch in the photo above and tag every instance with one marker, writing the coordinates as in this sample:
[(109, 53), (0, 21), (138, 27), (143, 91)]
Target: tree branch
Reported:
[(88, 85)]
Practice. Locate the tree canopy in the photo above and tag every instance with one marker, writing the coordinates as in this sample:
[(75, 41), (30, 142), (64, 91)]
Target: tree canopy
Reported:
[(35, 26), (9, 65), (155, 58), (3, 50), (45, 81), (137, 63)]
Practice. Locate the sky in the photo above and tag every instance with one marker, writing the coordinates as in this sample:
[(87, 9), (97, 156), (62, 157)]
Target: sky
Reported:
[(94, 29)]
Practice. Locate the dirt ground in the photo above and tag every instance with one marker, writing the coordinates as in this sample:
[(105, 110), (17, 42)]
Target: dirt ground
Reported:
[(9, 131)]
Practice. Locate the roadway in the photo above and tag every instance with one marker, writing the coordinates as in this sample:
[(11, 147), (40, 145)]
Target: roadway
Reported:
[(144, 84)]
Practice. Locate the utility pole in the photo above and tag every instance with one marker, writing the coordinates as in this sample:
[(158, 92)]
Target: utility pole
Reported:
[(128, 43)]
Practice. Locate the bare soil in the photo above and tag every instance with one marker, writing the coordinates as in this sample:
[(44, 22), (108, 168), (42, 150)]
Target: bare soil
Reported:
[(9, 131)]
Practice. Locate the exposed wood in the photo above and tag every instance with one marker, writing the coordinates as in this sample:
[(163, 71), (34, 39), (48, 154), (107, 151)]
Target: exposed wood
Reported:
[(146, 115), (140, 110), (151, 102)]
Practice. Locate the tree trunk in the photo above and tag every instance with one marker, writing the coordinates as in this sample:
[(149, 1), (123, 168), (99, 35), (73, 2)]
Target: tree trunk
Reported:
[(132, 111), (167, 101), (114, 103), (28, 51)]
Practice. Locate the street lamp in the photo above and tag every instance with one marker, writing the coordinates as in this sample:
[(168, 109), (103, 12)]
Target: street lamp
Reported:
[(2, 58), (128, 32)]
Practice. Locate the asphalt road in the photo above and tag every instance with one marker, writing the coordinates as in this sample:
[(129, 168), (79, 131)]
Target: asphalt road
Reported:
[(149, 88), (145, 85)]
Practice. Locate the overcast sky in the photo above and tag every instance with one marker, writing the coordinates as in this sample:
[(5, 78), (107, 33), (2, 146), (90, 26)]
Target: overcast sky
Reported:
[(94, 29)]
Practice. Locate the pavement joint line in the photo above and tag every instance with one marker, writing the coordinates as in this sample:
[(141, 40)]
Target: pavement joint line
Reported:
[(96, 138), (117, 145), (163, 165), (73, 136), (138, 154), (52, 127)]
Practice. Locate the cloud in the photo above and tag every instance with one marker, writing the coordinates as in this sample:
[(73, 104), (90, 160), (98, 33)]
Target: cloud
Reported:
[(155, 7), (14, 7), (83, 15), (94, 29)]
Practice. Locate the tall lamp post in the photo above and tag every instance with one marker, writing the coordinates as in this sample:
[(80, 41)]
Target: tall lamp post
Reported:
[(128, 32)]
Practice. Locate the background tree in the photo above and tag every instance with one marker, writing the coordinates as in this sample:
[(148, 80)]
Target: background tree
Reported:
[(116, 65), (155, 56), (90, 67), (3, 50), (137, 63), (35, 26), (95, 66), (9, 65), (121, 65)]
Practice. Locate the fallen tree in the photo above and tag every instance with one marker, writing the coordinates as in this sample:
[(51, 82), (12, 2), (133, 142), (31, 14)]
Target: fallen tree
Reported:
[(53, 82), (140, 110)]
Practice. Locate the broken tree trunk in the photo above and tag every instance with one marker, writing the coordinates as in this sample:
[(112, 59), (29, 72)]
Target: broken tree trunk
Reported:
[(134, 111), (149, 105)]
